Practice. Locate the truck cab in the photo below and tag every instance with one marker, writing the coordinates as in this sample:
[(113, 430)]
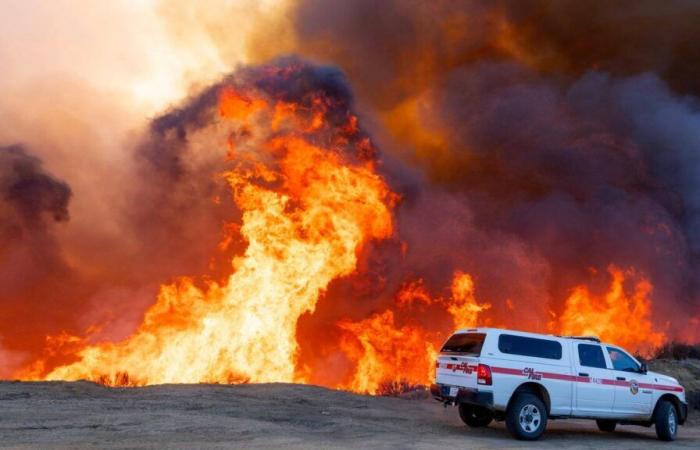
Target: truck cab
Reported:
[(526, 379)]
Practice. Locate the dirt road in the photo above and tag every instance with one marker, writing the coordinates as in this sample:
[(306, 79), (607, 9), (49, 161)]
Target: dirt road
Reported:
[(84, 415)]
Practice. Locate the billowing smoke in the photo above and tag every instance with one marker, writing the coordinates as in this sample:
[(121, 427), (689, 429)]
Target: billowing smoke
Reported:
[(554, 141), (624, 39), (33, 273)]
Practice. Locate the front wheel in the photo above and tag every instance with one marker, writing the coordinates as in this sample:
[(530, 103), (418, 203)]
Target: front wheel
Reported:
[(475, 416), (666, 421), (606, 425), (526, 417)]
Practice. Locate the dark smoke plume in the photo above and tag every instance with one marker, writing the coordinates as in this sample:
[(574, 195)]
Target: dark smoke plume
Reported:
[(404, 45), (34, 197), (622, 38), (559, 138), (34, 278)]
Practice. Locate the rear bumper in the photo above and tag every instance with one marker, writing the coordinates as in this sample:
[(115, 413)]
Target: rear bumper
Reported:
[(464, 395)]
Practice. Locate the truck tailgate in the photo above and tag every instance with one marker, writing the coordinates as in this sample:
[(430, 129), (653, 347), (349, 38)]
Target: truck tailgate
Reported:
[(456, 370)]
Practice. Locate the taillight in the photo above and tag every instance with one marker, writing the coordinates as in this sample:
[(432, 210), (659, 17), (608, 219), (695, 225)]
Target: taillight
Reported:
[(483, 375)]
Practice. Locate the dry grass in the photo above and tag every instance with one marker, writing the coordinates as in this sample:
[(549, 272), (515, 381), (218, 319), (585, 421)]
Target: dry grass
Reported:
[(687, 371)]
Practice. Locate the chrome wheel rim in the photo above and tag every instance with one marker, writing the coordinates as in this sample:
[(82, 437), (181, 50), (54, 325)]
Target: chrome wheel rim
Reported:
[(530, 418), (672, 422)]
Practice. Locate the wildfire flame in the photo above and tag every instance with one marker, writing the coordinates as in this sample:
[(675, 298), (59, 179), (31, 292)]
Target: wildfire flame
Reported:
[(387, 353), (464, 308), (303, 176), (306, 210), (616, 317)]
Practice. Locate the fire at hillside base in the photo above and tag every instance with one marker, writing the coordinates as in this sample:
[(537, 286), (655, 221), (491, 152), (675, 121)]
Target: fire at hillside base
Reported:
[(314, 207)]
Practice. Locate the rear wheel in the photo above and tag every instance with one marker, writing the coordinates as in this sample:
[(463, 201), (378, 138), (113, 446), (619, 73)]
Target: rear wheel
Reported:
[(606, 425), (666, 420), (526, 417), (475, 416)]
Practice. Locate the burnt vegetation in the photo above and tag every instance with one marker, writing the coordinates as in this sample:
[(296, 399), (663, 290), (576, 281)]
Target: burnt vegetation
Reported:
[(678, 351)]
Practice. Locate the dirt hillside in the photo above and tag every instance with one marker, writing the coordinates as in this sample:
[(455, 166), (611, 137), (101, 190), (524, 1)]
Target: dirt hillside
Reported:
[(688, 374)]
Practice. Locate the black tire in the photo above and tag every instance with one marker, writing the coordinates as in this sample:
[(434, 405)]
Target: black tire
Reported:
[(666, 421), (534, 417), (475, 416), (606, 425)]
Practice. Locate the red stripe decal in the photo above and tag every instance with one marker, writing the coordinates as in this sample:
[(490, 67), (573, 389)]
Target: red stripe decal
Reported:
[(531, 374), (661, 387), (561, 376), (507, 371)]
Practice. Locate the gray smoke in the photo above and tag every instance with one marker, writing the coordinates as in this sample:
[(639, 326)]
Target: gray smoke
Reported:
[(571, 139), (34, 277)]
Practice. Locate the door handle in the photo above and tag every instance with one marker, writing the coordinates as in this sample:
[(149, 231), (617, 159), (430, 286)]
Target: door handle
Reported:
[(581, 374), (621, 378)]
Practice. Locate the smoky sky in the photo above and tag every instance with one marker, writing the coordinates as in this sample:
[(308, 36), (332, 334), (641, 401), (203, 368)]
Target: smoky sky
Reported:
[(570, 136), (602, 170), (423, 40), (33, 204), (623, 39)]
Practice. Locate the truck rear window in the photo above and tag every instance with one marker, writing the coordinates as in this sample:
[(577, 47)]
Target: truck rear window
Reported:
[(526, 346), (469, 343)]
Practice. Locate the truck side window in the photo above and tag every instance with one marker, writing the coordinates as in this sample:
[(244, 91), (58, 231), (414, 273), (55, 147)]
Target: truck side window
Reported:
[(621, 361), (590, 355), (526, 346)]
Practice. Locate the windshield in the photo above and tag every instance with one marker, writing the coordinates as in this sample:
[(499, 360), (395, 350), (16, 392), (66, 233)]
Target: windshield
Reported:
[(468, 343)]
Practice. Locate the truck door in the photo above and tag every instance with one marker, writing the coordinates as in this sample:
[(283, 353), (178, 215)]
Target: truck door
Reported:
[(630, 398), (592, 397)]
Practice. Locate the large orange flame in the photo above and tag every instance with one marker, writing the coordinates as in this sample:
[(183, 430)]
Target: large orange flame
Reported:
[(306, 213), (388, 354), (617, 317), (303, 176), (463, 307)]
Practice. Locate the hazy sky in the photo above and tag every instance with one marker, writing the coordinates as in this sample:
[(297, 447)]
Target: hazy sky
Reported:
[(79, 80), (131, 47)]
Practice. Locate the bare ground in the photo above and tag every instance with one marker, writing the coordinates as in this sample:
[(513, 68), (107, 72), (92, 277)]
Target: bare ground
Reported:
[(84, 415)]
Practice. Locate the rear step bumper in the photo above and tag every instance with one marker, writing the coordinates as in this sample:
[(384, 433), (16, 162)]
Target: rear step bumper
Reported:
[(464, 395)]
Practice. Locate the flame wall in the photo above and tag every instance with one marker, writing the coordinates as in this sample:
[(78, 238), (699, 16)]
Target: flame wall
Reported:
[(539, 164)]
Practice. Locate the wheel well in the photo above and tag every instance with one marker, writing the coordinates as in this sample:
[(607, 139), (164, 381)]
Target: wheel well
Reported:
[(532, 388), (671, 398)]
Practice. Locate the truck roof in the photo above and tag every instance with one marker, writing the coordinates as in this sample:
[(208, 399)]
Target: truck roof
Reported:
[(527, 333)]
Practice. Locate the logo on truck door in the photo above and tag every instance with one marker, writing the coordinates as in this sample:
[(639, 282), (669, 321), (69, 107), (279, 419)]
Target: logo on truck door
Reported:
[(530, 373), (634, 387)]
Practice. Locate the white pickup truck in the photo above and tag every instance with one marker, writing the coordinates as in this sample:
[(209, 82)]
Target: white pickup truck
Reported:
[(526, 379)]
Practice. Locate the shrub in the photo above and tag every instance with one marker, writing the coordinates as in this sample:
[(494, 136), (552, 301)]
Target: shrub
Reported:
[(678, 350), (398, 388)]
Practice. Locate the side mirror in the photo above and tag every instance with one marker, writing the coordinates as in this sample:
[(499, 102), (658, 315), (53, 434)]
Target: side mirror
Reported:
[(644, 368)]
